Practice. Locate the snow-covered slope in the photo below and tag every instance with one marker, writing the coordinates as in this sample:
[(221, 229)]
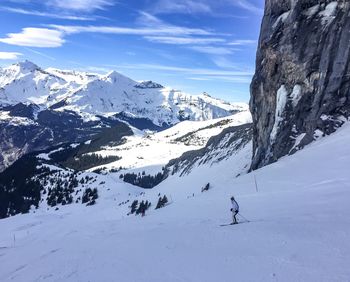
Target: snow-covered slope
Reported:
[(149, 152), (137, 157), (298, 230)]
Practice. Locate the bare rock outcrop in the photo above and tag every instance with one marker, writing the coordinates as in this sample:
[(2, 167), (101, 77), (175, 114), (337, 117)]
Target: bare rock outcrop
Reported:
[(301, 87)]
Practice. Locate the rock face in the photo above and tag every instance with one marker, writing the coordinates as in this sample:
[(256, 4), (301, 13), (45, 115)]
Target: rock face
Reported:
[(301, 87)]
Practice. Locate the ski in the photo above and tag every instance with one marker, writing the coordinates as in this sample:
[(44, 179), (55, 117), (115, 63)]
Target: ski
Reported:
[(228, 224)]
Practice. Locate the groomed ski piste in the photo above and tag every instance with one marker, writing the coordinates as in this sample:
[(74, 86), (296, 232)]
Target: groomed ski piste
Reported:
[(299, 226)]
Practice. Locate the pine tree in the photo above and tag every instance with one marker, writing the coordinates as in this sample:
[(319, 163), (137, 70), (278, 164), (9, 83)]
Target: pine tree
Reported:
[(134, 206), (141, 208), (159, 204), (164, 200)]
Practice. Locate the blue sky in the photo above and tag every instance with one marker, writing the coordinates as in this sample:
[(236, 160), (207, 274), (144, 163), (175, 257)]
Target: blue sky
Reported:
[(192, 45)]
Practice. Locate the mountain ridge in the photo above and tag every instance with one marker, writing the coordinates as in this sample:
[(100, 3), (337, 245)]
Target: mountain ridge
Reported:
[(113, 92)]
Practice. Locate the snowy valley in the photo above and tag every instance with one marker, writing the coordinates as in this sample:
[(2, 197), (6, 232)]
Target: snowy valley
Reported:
[(297, 230)]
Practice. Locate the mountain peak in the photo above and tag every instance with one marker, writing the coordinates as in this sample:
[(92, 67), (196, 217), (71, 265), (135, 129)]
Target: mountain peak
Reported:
[(114, 77), (148, 84), (114, 74), (27, 65)]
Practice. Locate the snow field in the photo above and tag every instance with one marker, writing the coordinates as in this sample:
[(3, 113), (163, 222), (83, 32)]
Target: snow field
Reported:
[(299, 229)]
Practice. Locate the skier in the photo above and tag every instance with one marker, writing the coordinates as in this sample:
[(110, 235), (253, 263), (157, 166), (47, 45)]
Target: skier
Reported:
[(234, 210)]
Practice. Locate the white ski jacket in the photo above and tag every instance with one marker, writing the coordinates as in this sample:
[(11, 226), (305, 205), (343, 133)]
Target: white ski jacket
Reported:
[(235, 206)]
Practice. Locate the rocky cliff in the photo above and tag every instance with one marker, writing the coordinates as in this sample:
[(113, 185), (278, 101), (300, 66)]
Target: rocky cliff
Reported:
[(301, 87)]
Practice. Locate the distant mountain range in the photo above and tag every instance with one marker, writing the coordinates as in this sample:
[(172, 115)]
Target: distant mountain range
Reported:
[(44, 108), (90, 95)]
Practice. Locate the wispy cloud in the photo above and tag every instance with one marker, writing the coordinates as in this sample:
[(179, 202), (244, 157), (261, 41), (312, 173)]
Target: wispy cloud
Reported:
[(246, 5), (184, 40), (181, 7), (149, 27), (212, 50), (9, 55), (235, 79), (208, 7), (81, 5), (199, 74), (192, 71), (35, 37), (160, 30), (226, 62), (199, 78), (241, 42), (45, 14), (53, 36)]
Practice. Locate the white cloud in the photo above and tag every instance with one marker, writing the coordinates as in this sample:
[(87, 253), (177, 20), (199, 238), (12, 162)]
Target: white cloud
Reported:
[(191, 71), (45, 14), (146, 19), (199, 78), (199, 74), (212, 50), (181, 7), (184, 40), (35, 37), (241, 42), (156, 30), (54, 35), (9, 55), (226, 63), (209, 7), (81, 5), (235, 79), (246, 5)]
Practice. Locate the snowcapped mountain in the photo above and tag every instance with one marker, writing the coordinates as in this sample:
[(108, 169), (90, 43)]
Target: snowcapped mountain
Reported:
[(90, 95), (43, 108), (25, 82)]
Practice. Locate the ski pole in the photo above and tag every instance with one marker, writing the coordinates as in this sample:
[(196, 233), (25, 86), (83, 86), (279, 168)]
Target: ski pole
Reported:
[(244, 217)]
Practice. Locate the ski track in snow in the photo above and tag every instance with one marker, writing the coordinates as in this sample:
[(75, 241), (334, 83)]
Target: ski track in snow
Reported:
[(299, 229)]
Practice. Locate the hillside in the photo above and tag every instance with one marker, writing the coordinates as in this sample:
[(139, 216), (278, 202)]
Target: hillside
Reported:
[(60, 175), (298, 220)]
